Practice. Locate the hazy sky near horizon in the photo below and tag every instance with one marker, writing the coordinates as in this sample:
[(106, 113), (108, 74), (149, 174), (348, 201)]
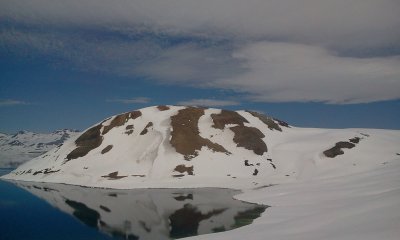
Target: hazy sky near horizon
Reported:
[(314, 63)]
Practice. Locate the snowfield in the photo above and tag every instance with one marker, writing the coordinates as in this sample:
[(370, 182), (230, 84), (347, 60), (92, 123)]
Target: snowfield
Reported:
[(326, 183)]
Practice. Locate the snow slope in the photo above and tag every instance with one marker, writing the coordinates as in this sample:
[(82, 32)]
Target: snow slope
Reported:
[(18, 148), (359, 206)]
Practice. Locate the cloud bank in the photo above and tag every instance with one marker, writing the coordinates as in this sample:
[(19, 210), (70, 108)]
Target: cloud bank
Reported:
[(338, 52)]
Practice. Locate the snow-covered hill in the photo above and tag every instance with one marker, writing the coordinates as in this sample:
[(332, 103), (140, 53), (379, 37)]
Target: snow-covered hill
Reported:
[(18, 148), (175, 146), (320, 183)]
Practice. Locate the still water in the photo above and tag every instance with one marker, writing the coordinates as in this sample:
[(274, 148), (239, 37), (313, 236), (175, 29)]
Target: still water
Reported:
[(57, 211)]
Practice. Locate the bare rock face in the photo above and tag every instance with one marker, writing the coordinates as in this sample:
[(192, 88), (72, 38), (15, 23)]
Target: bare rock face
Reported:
[(185, 136), (89, 140), (247, 137)]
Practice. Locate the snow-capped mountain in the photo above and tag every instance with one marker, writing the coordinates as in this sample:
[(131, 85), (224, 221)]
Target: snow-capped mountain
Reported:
[(176, 146), (22, 146)]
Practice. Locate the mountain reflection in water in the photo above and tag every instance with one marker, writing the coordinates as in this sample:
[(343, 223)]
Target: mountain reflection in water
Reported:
[(149, 213)]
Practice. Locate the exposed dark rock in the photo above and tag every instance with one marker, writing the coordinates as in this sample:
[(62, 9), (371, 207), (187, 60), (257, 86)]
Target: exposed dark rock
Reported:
[(227, 117), (106, 149), (266, 120), (88, 141), (182, 168), (355, 140), (37, 172), (249, 138), (185, 136), (255, 172), (150, 124), (246, 163), (129, 132), (178, 175), (163, 108), (337, 149), (48, 171), (121, 120), (282, 123), (129, 127), (113, 176)]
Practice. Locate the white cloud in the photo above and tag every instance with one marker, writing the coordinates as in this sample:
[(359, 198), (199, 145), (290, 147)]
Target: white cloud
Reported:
[(190, 64), (10, 102), (131, 100), (284, 72), (281, 72), (271, 50), (209, 103), (355, 22)]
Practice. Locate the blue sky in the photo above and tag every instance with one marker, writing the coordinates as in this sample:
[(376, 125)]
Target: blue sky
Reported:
[(332, 64)]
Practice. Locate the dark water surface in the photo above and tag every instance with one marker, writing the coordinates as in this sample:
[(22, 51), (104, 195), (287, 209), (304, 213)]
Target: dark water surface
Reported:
[(56, 211)]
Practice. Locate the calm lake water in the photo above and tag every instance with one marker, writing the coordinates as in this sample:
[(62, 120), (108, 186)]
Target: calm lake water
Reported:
[(57, 211)]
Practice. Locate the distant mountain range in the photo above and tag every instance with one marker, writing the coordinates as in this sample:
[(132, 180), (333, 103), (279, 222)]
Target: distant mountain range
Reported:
[(172, 146), (24, 145)]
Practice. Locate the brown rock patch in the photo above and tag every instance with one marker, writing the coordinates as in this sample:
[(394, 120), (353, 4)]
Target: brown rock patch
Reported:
[(129, 132), (121, 120), (227, 117), (282, 123), (182, 168), (185, 136), (266, 120), (249, 138), (106, 149), (355, 140), (163, 108), (113, 176), (88, 141), (337, 149), (48, 171), (129, 127), (150, 124)]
